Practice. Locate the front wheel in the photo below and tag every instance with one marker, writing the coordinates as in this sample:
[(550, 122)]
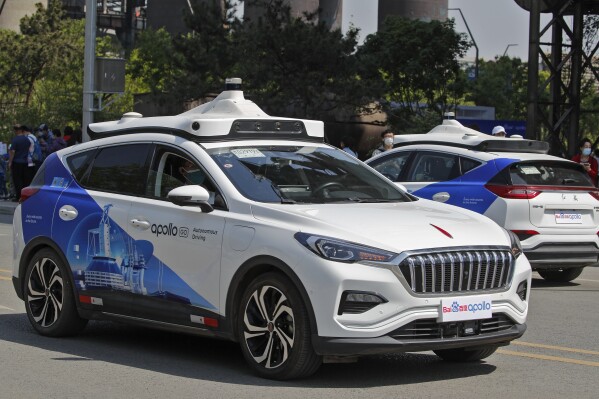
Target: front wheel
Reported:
[(561, 276), (49, 298), (464, 354), (273, 329)]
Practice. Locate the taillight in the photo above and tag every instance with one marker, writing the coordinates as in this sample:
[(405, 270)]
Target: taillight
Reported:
[(513, 192), (27, 193), (529, 192), (524, 234)]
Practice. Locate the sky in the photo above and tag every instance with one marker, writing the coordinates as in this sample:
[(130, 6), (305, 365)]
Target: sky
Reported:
[(494, 24)]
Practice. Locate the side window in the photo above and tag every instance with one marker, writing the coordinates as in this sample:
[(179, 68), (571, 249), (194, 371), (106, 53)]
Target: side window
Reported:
[(434, 167), (468, 164), (79, 163), (392, 166), (120, 169), (171, 169)]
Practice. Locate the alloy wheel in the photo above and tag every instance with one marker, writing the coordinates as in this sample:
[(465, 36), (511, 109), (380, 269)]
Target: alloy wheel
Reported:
[(269, 327), (45, 292)]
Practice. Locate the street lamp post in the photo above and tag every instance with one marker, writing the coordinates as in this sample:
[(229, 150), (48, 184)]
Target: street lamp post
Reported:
[(508, 46), (471, 38), (88, 66)]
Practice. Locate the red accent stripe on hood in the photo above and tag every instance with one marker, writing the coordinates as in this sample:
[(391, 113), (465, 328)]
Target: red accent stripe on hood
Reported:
[(441, 230)]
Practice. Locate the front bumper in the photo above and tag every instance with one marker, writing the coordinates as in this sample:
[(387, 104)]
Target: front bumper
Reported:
[(327, 346)]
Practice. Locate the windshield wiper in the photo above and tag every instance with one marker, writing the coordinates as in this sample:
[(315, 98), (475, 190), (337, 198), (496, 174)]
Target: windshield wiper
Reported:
[(360, 200)]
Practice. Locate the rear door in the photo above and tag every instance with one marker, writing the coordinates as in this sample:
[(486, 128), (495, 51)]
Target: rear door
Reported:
[(434, 175), (91, 221), (561, 194)]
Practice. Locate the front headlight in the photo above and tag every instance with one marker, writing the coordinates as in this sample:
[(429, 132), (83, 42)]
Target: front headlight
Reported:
[(342, 251), (515, 245)]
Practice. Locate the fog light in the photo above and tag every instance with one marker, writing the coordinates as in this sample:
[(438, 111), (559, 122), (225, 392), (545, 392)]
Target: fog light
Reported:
[(522, 290), (355, 302)]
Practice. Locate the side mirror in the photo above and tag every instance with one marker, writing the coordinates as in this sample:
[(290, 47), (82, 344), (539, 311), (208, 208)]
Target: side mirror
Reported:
[(192, 195), (401, 187)]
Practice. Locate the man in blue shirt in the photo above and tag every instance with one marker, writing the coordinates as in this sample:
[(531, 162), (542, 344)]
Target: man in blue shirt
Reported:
[(19, 162)]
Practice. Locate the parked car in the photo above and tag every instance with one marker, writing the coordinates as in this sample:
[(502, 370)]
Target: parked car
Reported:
[(226, 222), (549, 202)]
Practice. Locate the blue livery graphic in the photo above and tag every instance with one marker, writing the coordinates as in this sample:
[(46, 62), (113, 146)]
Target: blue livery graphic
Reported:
[(101, 254), (468, 191)]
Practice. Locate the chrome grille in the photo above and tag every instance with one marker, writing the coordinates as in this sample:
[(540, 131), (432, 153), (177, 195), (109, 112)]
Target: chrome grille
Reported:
[(457, 271)]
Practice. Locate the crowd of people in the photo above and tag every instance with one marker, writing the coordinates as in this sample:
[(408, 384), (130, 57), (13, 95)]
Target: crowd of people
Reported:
[(26, 152)]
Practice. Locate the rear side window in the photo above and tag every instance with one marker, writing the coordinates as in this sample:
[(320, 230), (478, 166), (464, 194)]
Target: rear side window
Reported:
[(78, 163), (119, 169), (468, 164), (549, 174)]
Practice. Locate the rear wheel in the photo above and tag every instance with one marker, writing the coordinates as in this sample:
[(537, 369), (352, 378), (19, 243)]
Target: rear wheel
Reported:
[(273, 329), (49, 298), (465, 354), (561, 276)]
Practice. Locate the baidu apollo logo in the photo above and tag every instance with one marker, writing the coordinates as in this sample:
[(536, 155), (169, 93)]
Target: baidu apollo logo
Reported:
[(473, 307), (465, 308), (455, 307)]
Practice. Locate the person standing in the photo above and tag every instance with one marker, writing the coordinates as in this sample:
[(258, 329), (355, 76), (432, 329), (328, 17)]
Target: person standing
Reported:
[(59, 143), (387, 138), (498, 131), (585, 158), (20, 163), (347, 144), (3, 166)]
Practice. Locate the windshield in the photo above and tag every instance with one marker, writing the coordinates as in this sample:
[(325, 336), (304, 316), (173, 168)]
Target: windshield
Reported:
[(303, 174)]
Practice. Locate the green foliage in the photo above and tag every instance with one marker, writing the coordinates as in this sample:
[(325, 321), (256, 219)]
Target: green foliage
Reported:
[(204, 57), (502, 84), (151, 62), (41, 69), (298, 67), (416, 63)]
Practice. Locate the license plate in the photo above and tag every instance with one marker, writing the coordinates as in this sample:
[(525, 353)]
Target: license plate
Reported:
[(562, 217), (469, 308)]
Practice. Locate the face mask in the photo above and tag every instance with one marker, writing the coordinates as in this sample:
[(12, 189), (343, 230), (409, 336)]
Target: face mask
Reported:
[(388, 141), (586, 151)]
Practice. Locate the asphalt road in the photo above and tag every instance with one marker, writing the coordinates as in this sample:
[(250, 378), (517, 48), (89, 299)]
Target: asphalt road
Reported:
[(558, 357)]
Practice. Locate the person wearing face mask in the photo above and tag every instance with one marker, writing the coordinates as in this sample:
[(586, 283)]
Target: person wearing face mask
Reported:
[(585, 158), (387, 137)]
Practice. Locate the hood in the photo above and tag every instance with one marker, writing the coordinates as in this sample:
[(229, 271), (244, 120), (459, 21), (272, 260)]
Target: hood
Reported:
[(392, 226)]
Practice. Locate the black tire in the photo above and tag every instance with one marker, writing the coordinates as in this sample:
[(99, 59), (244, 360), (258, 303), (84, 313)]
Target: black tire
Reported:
[(561, 276), (273, 329), (463, 355), (49, 298)]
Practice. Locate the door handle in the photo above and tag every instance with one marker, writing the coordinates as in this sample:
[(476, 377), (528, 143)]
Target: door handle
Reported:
[(441, 197), (140, 224), (67, 212)]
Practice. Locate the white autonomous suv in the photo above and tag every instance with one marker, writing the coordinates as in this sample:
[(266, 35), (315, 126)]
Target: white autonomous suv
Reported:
[(226, 222), (550, 203)]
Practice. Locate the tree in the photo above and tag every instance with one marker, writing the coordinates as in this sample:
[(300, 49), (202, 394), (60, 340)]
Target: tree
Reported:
[(502, 84), (417, 64), (205, 57), (298, 67), (151, 62), (41, 69)]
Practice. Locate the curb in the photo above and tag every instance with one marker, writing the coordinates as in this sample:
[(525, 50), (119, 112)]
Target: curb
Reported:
[(7, 207)]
